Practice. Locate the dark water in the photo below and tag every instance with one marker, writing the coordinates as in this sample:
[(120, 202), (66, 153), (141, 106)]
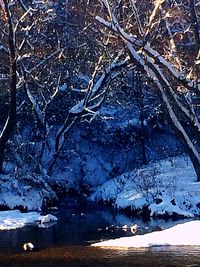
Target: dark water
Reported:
[(89, 256), (66, 243), (79, 223)]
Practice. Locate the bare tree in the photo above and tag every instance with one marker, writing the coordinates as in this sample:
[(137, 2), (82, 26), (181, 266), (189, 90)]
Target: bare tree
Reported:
[(10, 122), (89, 105), (156, 36), (30, 48)]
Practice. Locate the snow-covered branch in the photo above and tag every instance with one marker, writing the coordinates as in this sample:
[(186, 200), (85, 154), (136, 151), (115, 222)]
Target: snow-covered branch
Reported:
[(38, 111), (156, 76), (190, 84), (22, 18), (135, 12), (82, 105), (44, 60), (3, 48), (152, 17)]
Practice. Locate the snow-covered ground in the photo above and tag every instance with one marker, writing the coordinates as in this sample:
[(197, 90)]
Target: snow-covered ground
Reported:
[(185, 234), (28, 191), (167, 188), (90, 157), (13, 219)]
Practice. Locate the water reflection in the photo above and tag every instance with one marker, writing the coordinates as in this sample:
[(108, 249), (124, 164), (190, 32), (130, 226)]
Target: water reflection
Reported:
[(81, 223), (89, 256)]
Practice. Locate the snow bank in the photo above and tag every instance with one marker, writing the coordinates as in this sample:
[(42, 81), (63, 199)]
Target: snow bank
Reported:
[(27, 191), (179, 235), (167, 188), (13, 219), (47, 218)]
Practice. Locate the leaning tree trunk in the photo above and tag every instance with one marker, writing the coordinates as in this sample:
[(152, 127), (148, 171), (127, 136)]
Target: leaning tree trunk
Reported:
[(183, 123), (10, 122), (184, 127), (166, 78)]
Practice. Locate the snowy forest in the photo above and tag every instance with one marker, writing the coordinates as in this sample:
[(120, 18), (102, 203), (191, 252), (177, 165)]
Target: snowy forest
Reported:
[(101, 98)]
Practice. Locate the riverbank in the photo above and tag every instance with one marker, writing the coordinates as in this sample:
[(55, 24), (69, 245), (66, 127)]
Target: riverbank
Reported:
[(167, 188), (164, 189), (13, 219), (179, 235)]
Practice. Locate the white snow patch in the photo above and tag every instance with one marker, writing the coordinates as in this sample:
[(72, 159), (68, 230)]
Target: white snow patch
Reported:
[(13, 219), (47, 218), (27, 191), (167, 187), (179, 235), (63, 87), (166, 207)]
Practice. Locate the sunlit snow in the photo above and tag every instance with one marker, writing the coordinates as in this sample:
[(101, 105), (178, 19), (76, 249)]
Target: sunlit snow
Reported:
[(167, 188), (185, 234)]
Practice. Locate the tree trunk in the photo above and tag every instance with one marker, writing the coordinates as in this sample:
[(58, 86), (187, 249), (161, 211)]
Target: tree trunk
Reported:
[(140, 100), (195, 23), (167, 79), (184, 126), (10, 122)]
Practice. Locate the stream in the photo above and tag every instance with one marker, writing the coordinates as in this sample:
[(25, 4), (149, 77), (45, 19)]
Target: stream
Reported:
[(67, 242)]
